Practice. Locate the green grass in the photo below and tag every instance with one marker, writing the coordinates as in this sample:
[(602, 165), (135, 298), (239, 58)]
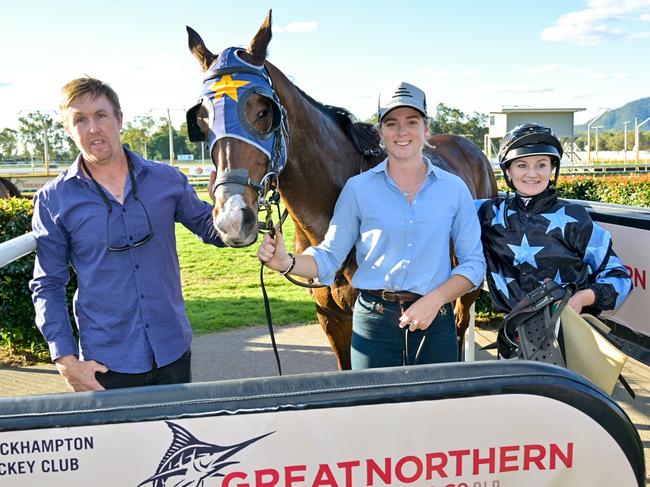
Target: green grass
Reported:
[(222, 289)]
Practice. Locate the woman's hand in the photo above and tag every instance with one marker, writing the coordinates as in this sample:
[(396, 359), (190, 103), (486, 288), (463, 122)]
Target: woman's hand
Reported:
[(273, 252), (421, 313), (579, 300)]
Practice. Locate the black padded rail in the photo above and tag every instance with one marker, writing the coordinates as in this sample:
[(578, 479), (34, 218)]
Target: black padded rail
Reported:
[(327, 390)]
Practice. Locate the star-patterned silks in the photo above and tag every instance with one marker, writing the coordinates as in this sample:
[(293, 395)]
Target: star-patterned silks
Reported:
[(558, 278), (559, 219), (499, 214), (227, 86), (524, 252), (501, 282)]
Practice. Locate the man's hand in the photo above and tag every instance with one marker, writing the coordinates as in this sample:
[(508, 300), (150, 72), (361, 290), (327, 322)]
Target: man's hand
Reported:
[(80, 374)]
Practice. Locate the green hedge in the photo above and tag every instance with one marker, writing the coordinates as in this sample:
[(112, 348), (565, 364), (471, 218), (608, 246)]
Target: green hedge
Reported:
[(17, 329), (632, 190)]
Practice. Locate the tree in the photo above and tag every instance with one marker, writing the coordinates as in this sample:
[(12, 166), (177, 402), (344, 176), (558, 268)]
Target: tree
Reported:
[(32, 130), (449, 120), (194, 147), (159, 146), (138, 134), (8, 143)]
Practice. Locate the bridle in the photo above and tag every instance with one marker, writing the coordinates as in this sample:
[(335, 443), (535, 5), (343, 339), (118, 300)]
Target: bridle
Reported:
[(221, 97)]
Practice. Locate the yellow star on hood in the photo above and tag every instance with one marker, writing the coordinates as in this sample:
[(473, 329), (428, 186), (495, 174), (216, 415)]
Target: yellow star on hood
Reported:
[(227, 86)]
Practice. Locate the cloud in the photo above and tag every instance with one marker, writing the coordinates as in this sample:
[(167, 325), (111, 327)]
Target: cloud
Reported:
[(600, 23), (4, 83), (548, 68), (298, 27)]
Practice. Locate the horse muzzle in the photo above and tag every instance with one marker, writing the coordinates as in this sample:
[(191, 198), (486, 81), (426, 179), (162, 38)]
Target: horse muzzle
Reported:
[(236, 222)]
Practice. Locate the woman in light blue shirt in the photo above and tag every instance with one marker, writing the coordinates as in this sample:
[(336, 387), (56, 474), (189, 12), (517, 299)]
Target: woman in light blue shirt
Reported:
[(401, 217)]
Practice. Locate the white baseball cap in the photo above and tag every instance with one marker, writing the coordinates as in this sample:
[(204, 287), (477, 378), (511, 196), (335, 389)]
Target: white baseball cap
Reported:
[(403, 95)]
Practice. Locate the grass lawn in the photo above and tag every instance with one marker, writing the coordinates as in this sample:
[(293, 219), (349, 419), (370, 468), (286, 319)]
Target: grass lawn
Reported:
[(222, 289)]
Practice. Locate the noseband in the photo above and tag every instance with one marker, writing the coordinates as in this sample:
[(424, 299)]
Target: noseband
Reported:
[(226, 89)]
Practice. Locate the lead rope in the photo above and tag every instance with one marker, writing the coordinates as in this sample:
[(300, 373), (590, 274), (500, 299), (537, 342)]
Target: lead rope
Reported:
[(269, 320), (267, 305), (405, 348)]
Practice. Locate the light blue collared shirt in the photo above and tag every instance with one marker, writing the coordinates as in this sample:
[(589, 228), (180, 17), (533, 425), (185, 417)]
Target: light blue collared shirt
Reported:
[(401, 245)]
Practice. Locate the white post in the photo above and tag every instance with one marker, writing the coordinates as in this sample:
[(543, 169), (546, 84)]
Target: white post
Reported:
[(16, 248), (589, 134), (637, 138), (596, 129), (470, 336), (625, 141)]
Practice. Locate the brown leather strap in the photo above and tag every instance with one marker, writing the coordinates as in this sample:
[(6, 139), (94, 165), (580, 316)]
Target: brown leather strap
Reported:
[(394, 296)]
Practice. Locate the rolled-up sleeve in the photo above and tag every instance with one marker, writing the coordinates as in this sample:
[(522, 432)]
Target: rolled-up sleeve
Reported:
[(466, 237), (48, 285), (341, 236)]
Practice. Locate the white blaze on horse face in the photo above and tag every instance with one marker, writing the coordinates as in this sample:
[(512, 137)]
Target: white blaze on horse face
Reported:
[(230, 218)]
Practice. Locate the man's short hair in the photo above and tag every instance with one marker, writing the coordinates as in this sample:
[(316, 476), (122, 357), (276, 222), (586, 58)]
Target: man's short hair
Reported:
[(87, 86)]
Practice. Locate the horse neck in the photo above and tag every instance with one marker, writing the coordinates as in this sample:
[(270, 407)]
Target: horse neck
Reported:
[(321, 158)]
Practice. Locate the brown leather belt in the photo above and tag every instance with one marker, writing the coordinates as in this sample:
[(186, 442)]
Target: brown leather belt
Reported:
[(394, 296)]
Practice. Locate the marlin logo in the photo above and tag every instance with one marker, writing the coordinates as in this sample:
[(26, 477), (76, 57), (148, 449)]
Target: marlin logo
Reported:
[(189, 461)]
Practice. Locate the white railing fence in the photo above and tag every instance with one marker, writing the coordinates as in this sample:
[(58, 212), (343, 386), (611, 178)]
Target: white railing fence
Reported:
[(16, 248)]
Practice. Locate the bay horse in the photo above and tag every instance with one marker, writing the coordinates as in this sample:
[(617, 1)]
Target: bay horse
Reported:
[(263, 131), (8, 189)]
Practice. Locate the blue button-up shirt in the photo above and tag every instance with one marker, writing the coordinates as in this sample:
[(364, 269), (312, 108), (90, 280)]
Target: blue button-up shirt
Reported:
[(128, 306), (402, 245)]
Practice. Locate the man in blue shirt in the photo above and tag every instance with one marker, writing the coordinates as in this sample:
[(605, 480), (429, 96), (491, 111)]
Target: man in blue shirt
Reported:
[(111, 215)]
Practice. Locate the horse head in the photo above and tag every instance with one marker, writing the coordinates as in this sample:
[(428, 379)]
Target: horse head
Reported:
[(242, 120)]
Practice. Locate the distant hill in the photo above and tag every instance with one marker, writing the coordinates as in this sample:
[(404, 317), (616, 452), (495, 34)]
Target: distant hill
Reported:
[(613, 121)]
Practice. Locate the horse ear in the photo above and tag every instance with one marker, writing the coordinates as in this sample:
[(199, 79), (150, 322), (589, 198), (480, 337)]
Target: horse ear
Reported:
[(260, 42), (197, 46)]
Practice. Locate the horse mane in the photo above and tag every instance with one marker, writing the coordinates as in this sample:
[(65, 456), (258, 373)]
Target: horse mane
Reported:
[(10, 187), (363, 135)]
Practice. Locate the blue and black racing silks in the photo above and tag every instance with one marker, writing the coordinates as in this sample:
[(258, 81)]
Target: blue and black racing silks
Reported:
[(548, 238)]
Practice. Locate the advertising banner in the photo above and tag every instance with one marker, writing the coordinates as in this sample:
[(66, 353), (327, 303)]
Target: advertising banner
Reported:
[(427, 443), (632, 246), (530, 424)]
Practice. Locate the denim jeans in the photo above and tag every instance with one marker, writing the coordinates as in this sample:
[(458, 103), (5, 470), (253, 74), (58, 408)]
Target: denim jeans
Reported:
[(378, 341), (178, 372)]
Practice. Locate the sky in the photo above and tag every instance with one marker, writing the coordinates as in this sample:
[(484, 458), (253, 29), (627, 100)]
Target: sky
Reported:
[(476, 56)]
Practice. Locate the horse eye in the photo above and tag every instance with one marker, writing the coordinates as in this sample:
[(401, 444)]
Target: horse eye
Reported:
[(262, 114)]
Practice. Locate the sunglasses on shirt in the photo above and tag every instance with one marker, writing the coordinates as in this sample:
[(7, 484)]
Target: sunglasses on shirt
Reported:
[(109, 206)]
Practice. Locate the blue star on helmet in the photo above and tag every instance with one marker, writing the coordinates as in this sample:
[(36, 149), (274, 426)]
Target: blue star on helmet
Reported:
[(501, 282), (525, 253), (499, 214), (559, 219)]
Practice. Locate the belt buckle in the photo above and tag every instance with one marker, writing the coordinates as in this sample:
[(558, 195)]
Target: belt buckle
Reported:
[(385, 294)]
